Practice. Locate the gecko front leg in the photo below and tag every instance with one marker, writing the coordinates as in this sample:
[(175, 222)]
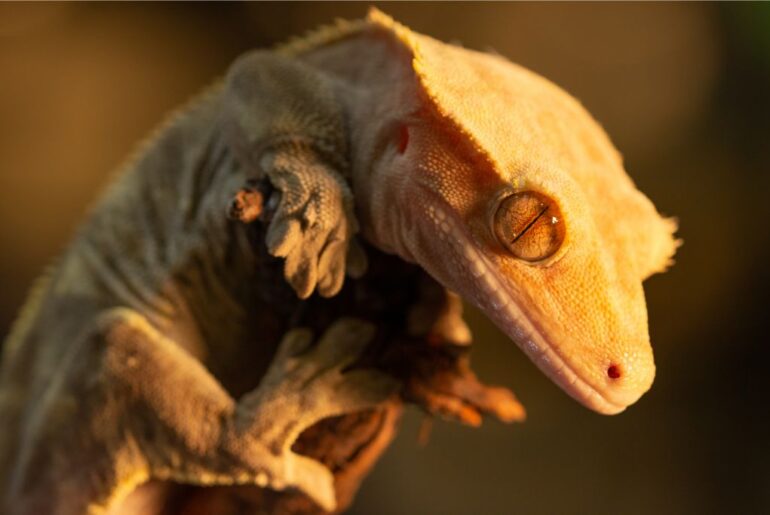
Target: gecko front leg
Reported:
[(283, 121), (157, 413), (304, 384)]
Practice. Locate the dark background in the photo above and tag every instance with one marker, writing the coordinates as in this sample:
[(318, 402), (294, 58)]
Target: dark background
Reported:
[(683, 90)]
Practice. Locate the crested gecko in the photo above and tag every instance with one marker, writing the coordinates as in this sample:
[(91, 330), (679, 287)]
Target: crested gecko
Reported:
[(492, 179)]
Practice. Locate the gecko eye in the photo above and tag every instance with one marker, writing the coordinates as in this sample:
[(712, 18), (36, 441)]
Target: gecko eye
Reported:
[(529, 225)]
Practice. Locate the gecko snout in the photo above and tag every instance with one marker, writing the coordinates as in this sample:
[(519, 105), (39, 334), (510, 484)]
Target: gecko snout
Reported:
[(627, 380)]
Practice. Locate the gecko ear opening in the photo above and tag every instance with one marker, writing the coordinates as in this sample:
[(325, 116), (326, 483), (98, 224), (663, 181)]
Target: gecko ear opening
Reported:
[(403, 138)]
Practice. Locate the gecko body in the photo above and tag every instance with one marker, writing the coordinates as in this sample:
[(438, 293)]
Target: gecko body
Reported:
[(493, 180)]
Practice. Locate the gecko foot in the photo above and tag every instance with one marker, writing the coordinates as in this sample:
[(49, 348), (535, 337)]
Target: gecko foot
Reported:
[(439, 379), (305, 384), (313, 225)]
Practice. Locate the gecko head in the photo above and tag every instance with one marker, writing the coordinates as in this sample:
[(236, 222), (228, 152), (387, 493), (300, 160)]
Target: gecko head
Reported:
[(506, 191)]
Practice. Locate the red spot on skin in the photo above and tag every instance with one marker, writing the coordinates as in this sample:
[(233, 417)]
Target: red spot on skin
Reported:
[(614, 372), (403, 138)]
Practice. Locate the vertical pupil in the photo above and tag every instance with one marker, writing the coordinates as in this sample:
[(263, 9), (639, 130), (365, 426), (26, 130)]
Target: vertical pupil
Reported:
[(529, 225), (535, 212)]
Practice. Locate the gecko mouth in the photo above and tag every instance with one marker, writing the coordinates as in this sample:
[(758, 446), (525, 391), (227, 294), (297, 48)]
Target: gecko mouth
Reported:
[(493, 297)]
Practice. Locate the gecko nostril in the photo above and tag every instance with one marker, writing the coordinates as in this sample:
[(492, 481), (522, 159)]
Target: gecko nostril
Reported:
[(614, 372)]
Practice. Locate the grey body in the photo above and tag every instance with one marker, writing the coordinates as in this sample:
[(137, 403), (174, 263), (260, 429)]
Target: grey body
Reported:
[(103, 384)]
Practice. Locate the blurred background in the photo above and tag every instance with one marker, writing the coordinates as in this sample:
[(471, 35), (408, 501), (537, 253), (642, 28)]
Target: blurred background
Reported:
[(682, 89)]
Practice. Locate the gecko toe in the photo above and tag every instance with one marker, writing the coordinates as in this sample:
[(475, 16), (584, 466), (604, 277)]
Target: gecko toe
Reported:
[(331, 268), (356, 260), (300, 270), (283, 236), (344, 342)]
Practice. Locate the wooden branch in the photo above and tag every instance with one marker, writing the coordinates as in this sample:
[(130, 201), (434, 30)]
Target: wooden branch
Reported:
[(421, 339)]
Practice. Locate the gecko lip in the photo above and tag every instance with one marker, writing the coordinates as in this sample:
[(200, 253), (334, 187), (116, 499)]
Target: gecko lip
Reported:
[(508, 316), (523, 331), (496, 301)]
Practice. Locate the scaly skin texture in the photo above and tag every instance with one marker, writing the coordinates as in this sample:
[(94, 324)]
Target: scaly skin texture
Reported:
[(464, 131), (125, 365)]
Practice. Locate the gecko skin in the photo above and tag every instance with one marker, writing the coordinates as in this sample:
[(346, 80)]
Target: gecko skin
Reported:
[(492, 179), (505, 189)]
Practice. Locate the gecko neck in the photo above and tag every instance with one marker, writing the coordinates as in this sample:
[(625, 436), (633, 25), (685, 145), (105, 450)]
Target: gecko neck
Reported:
[(373, 81)]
